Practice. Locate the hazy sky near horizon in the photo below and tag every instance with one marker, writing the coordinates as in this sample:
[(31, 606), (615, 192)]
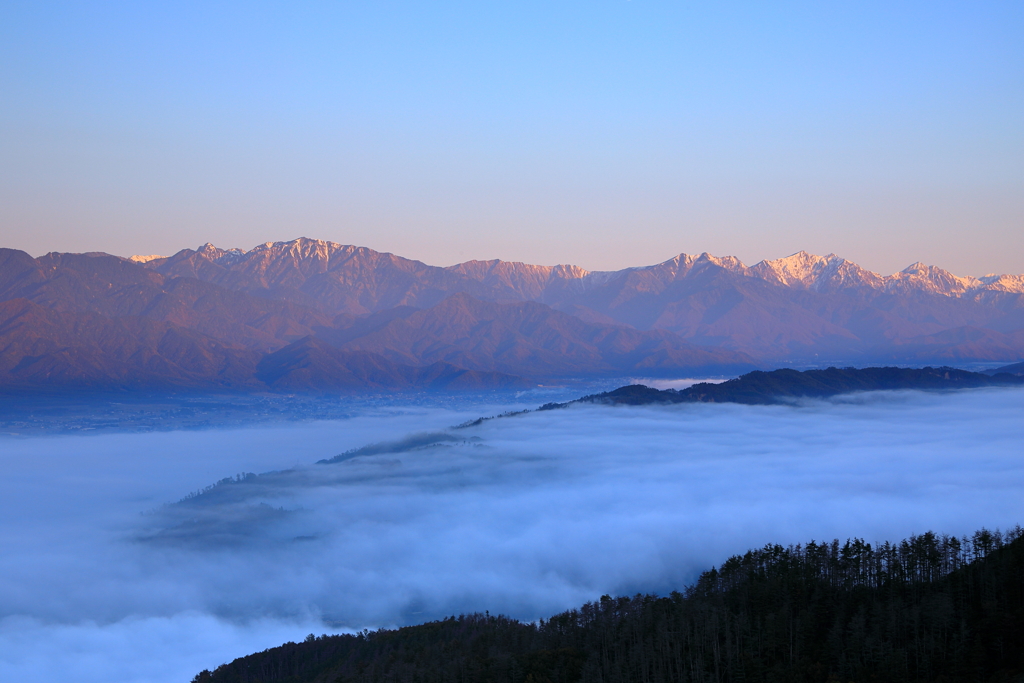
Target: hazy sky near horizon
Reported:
[(605, 134)]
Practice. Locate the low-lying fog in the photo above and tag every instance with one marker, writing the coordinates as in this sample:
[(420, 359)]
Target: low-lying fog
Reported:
[(102, 580)]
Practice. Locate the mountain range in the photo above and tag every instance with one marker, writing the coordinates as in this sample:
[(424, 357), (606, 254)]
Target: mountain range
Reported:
[(314, 315)]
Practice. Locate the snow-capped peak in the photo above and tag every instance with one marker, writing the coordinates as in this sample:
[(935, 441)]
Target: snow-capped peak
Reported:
[(139, 258), (818, 273), (921, 276)]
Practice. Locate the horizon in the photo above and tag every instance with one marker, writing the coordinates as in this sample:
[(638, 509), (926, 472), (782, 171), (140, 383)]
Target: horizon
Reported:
[(599, 134), (138, 258)]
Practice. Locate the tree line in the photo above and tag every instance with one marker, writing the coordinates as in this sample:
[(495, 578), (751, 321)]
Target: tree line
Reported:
[(937, 609)]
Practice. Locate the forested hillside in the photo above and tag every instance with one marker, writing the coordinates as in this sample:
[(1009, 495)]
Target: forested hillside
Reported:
[(930, 608), (778, 386)]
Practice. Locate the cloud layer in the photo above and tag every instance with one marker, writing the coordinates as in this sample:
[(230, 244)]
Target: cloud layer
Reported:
[(524, 515)]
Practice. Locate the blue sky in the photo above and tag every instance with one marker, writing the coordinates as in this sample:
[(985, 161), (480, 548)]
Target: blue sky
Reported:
[(604, 134)]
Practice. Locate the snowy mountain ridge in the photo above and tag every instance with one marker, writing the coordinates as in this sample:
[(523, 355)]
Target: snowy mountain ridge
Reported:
[(801, 270)]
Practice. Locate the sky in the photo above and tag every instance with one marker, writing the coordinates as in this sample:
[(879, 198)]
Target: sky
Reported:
[(105, 577), (603, 133)]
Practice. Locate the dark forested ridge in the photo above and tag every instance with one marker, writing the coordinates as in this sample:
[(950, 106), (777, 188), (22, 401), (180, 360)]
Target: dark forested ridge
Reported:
[(780, 385), (1014, 369), (931, 608)]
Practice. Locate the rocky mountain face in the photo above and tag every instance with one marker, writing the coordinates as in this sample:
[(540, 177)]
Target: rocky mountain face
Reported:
[(309, 314), (355, 281), (113, 287), (91, 321), (802, 308)]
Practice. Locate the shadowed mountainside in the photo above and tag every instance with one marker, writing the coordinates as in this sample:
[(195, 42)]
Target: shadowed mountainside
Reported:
[(44, 348), (100, 321), (796, 309), (313, 364), (535, 340), (116, 288), (233, 319), (1013, 369), (778, 386)]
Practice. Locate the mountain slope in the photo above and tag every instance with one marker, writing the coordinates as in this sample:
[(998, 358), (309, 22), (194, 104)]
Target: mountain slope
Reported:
[(450, 344), (311, 364), (797, 309), (1015, 369), (43, 348), (802, 307), (690, 314), (783, 385), (926, 609), (336, 278), (532, 339), (113, 287)]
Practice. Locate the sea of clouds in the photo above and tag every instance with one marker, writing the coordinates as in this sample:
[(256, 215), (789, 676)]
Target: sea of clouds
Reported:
[(104, 576)]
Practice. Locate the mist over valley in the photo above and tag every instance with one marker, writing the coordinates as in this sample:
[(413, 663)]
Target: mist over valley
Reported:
[(526, 515), (424, 342), (212, 453)]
